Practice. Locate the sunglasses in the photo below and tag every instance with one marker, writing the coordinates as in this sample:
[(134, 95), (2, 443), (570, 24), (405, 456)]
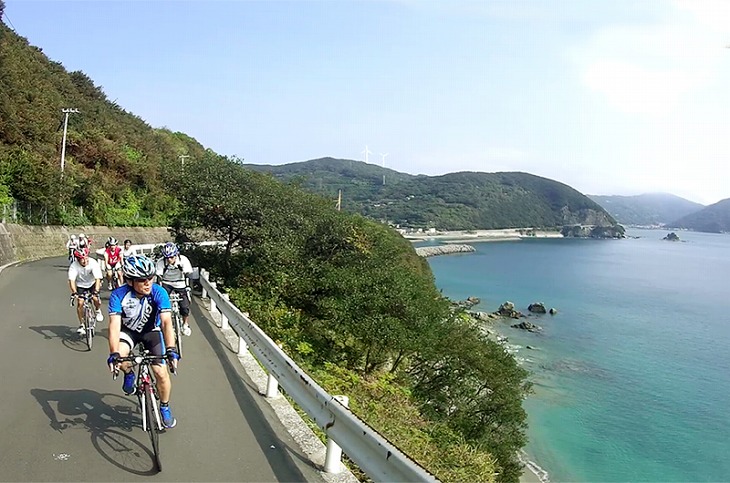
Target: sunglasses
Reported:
[(142, 280)]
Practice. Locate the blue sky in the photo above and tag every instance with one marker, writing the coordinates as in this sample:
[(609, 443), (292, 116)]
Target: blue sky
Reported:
[(610, 97)]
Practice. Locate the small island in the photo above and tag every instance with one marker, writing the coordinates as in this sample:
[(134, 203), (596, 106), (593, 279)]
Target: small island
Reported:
[(671, 237)]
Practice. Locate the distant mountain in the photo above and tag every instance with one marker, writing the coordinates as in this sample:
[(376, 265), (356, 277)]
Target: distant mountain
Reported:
[(712, 219), (647, 209), (455, 201)]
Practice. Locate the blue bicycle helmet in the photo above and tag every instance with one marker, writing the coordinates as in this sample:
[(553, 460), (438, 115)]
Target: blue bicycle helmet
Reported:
[(138, 266), (170, 250)]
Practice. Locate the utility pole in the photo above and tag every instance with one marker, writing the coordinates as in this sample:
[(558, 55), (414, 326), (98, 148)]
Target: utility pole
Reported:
[(182, 159), (338, 205), (383, 156), (65, 129)]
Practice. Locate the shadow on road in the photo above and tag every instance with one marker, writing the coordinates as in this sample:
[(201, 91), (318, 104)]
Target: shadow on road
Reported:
[(109, 418), (69, 337), (265, 435)]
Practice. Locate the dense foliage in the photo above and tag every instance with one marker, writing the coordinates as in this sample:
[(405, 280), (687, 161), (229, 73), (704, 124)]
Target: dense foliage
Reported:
[(115, 164), (339, 290), (647, 209), (712, 219), (456, 201)]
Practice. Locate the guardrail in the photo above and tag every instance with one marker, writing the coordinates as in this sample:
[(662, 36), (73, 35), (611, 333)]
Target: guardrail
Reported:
[(377, 457)]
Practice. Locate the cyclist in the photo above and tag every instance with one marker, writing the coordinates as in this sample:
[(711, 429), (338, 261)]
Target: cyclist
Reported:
[(100, 256), (72, 244), (172, 272), (84, 275), (85, 242), (113, 262), (139, 312), (128, 251)]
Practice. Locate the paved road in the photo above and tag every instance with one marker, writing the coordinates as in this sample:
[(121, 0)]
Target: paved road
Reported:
[(63, 418)]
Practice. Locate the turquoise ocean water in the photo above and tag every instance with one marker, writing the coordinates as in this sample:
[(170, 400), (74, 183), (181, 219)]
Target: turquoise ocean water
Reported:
[(632, 376)]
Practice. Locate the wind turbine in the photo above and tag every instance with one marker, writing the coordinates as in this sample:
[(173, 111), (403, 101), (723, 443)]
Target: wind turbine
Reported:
[(366, 152), (383, 158)]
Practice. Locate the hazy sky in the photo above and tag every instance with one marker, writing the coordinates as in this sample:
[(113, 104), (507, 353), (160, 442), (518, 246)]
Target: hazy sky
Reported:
[(610, 97)]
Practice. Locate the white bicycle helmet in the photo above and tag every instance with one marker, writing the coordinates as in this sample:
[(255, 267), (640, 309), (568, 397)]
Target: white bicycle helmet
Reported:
[(170, 250), (138, 266)]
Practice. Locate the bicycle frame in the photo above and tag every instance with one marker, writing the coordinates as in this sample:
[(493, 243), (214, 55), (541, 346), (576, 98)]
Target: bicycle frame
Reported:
[(177, 321), (89, 317), (146, 385)]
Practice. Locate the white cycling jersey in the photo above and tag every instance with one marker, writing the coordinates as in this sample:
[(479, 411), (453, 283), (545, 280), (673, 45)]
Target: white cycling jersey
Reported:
[(85, 276)]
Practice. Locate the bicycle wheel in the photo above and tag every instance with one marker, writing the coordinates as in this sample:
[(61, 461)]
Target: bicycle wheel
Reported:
[(152, 417), (177, 319)]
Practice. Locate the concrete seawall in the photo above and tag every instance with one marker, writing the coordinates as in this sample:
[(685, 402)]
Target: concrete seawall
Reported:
[(443, 250), (26, 242)]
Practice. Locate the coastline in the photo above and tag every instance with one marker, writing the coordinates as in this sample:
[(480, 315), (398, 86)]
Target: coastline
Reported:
[(472, 236), (493, 325)]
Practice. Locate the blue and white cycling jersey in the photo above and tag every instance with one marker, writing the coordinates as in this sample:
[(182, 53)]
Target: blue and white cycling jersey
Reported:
[(139, 314)]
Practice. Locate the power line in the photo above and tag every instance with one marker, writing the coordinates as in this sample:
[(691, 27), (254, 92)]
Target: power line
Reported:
[(8, 20)]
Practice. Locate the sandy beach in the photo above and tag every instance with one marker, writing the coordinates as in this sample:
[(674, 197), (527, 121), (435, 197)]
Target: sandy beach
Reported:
[(472, 236)]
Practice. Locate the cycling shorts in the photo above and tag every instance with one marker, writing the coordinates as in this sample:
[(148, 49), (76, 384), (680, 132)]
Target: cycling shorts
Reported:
[(114, 266), (83, 290), (152, 341), (184, 298)]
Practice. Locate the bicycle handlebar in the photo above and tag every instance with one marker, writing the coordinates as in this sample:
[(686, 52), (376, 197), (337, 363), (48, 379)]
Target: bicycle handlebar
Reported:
[(86, 296), (137, 359)]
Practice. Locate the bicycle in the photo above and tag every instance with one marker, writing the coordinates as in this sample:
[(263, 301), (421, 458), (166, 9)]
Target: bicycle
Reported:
[(89, 318), (177, 321), (115, 283), (146, 392)]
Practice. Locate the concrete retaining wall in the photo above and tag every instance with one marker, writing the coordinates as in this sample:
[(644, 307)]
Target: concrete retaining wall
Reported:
[(26, 242)]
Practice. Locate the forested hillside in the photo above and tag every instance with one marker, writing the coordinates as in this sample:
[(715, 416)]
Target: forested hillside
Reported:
[(647, 209), (455, 201), (114, 160), (712, 219)]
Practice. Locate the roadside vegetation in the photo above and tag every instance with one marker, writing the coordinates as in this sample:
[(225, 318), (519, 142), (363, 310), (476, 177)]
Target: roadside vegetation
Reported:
[(349, 299)]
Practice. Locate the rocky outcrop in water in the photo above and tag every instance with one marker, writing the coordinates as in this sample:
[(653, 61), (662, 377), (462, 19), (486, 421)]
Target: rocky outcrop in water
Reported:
[(507, 309), (443, 250), (537, 308), (528, 326), (591, 231), (671, 237)]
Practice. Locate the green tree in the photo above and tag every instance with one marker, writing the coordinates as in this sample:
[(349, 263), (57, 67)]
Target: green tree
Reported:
[(472, 384)]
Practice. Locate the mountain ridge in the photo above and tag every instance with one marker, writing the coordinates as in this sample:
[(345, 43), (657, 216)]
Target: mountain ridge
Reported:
[(714, 218), (453, 201), (646, 209)]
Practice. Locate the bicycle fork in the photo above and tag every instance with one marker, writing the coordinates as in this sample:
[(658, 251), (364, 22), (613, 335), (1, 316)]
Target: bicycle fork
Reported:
[(143, 399)]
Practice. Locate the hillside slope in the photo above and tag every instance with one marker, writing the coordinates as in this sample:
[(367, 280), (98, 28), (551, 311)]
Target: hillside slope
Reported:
[(712, 219), (455, 201), (647, 209), (114, 160)]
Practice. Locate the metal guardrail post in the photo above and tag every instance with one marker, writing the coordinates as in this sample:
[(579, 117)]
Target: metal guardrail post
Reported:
[(272, 386), (333, 458), (224, 319), (206, 276), (213, 306), (242, 346)]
